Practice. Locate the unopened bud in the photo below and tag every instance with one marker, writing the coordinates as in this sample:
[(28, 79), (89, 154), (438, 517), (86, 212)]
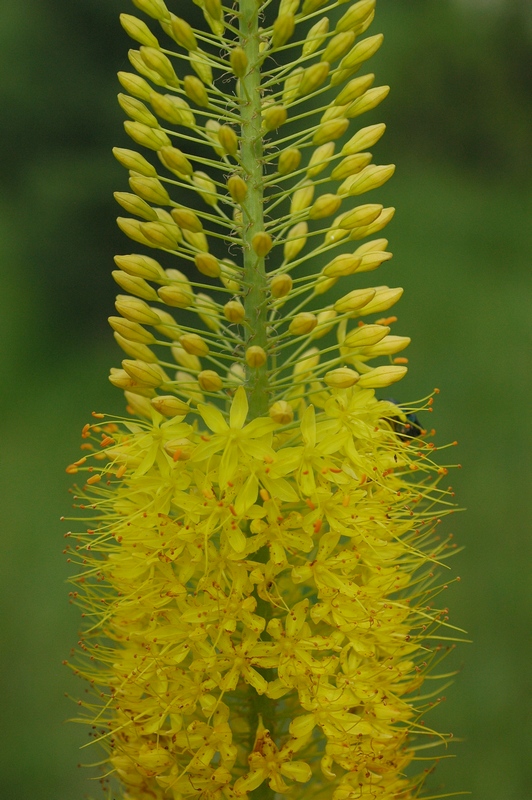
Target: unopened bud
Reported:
[(302, 198), (120, 379), (338, 46), (388, 346), (194, 344), (131, 331), (289, 161), (177, 294), (341, 378), (369, 230), (371, 177), (291, 86), (169, 406), (354, 89), (144, 373), (341, 266), (135, 205), (368, 101), (306, 364), (273, 117), (207, 264), (361, 215), (228, 140), (281, 285), (154, 8), (313, 77), (255, 356), (168, 107), (288, 6), (239, 61), (354, 300), (365, 335), (189, 387), (362, 51), (135, 350), (200, 65), (323, 284), (136, 310), (262, 243), (205, 187), (136, 109), (380, 377), (167, 325), (324, 206), (214, 9), (237, 188), (179, 449), (196, 91), (316, 36), (281, 412), (139, 405), (159, 63), (141, 266), (186, 360), (295, 241), (234, 311), (183, 34), (283, 28), (135, 85), (236, 375), (208, 311), (151, 138), (138, 63), (355, 15), (373, 259), (131, 227), (150, 189), (329, 131), (187, 220), (175, 160), (383, 299), (350, 166), (303, 323), (209, 380), (134, 161), (319, 159), (326, 322), (135, 286), (163, 235), (312, 5), (138, 30)]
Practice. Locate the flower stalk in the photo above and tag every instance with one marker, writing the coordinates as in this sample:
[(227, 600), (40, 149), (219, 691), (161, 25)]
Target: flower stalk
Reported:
[(258, 537)]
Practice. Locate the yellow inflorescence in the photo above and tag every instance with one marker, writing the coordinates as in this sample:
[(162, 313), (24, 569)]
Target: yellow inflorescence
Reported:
[(258, 577)]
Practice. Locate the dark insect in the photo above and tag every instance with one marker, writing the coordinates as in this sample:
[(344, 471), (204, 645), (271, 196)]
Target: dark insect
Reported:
[(409, 428)]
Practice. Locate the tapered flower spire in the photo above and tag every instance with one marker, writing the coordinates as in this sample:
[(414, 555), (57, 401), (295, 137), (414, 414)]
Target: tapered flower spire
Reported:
[(258, 575)]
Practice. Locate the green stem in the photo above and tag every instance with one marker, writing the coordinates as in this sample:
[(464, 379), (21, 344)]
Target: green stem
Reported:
[(251, 152)]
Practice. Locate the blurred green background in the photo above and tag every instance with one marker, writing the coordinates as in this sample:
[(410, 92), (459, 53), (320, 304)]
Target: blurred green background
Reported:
[(459, 128)]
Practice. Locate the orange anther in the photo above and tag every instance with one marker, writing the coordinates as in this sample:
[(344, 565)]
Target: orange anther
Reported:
[(98, 415), (106, 441), (71, 469), (400, 360), (310, 504), (363, 479), (265, 495), (85, 433), (232, 510), (346, 500), (94, 479), (80, 461), (317, 525), (121, 471)]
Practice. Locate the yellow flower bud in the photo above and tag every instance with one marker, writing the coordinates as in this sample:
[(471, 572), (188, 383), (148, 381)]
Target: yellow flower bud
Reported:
[(373, 259), (234, 311), (144, 373), (136, 350), (187, 220), (288, 6), (383, 299), (177, 294), (159, 63), (323, 284), (188, 386), (228, 140), (132, 160), (281, 285), (207, 264), (368, 101), (121, 379), (135, 85), (255, 356), (388, 346), (205, 187), (303, 323), (133, 285), (179, 449), (236, 375), (313, 77), (365, 335), (326, 322), (138, 405), (159, 234), (194, 344), (362, 51), (131, 331), (184, 359), (291, 86), (273, 117), (316, 36), (167, 325), (138, 30), (138, 63), (306, 364), (324, 206), (230, 275), (208, 311), (237, 188), (136, 310), (361, 215), (196, 91), (368, 230), (319, 159), (173, 109), (137, 110), (135, 205), (341, 266), (141, 266), (289, 161), (201, 66), (209, 380), (341, 378), (371, 177), (355, 15), (214, 9), (350, 165), (295, 241), (148, 137), (169, 406), (183, 34), (131, 227), (262, 243), (239, 61), (354, 89), (312, 5), (283, 28), (154, 8), (175, 160), (150, 189), (328, 131), (354, 300), (380, 377), (338, 46), (281, 412), (302, 198), (333, 112)]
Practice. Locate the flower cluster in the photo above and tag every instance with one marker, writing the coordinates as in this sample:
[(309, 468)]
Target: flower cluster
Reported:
[(257, 582)]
